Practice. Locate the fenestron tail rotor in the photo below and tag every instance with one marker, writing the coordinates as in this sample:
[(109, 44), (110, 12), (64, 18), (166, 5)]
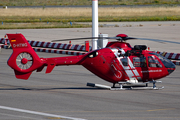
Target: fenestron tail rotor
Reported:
[(24, 60)]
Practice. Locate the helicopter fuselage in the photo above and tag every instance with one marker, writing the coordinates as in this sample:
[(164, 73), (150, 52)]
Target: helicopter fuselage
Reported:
[(114, 65)]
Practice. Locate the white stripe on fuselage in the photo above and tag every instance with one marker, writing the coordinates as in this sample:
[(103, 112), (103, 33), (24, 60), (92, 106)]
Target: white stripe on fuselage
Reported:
[(130, 69)]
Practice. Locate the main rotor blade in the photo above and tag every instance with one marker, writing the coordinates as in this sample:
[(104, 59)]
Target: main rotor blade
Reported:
[(118, 38), (157, 40), (75, 39)]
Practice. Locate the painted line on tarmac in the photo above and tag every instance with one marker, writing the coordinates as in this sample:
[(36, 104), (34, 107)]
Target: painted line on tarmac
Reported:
[(38, 113), (17, 116), (161, 109)]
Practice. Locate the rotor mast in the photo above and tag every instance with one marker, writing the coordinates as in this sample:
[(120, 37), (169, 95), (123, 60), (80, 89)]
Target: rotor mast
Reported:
[(95, 28)]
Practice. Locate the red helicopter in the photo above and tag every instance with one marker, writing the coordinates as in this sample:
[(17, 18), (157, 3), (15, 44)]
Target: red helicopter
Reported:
[(118, 62)]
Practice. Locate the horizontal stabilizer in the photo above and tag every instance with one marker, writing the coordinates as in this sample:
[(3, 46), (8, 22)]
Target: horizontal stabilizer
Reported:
[(50, 65)]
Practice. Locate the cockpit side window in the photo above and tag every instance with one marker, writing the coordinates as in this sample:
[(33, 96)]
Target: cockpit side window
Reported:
[(153, 62), (139, 62), (124, 61), (167, 63)]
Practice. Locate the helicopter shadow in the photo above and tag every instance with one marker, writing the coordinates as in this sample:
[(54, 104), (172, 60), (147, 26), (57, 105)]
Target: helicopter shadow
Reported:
[(48, 89)]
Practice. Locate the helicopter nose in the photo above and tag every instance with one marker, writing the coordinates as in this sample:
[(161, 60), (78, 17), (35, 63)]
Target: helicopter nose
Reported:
[(171, 68), (169, 65)]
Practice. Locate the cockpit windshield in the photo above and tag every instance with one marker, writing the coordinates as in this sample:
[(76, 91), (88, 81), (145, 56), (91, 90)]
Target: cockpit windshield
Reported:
[(167, 63)]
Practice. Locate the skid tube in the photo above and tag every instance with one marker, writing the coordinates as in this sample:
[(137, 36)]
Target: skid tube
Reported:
[(129, 86)]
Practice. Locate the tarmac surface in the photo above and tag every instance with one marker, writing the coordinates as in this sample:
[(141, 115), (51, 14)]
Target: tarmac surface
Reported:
[(168, 31), (63, 93)]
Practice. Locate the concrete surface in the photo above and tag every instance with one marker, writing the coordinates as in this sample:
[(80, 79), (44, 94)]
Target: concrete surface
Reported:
[(155, 30)]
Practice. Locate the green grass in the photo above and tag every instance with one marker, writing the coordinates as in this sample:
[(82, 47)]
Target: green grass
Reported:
[(64, 20), (15, 18), (40, 25), (55, 22), (141, 18), (84, 2), (34, 23)]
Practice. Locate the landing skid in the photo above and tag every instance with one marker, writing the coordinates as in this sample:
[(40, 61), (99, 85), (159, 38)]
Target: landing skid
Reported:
[(129, 86)]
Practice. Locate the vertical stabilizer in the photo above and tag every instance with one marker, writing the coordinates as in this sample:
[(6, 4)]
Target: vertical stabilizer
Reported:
[(24, 59)]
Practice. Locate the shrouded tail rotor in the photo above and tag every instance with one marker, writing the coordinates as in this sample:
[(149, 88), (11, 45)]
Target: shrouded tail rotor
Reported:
[(24, 59)]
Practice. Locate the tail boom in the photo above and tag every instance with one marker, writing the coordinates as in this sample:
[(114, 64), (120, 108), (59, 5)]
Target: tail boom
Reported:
[(52, 62)]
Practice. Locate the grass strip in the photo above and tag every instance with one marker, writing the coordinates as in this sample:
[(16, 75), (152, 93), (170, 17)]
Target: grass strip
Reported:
[(34, 23), (67, 20), (84, 2), (41, 25), (14, 18)]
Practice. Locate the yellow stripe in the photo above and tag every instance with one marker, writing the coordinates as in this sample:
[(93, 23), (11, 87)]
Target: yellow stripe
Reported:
[(161, 109)]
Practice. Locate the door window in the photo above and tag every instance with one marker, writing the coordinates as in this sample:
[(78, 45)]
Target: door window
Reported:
[(124, 61), (139, 62), (153, 62)]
